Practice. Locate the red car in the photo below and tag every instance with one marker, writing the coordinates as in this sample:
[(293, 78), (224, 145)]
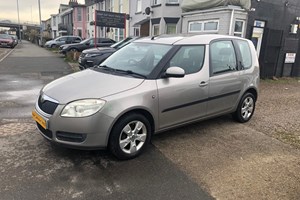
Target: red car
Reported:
[(6, 41)]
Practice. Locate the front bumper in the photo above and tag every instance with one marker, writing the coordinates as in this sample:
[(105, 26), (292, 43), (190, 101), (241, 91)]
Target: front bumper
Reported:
[(86, 62), (80, 133)]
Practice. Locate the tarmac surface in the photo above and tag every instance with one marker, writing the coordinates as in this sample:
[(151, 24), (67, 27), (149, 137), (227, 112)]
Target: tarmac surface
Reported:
[(31, 168)]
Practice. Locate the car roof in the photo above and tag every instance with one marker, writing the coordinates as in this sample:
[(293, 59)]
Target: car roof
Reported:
[(185, 39)]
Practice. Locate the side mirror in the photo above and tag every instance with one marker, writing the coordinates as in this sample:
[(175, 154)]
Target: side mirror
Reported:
[(175, 72)]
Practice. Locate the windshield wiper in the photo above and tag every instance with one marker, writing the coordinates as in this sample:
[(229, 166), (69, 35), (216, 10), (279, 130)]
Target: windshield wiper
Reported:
[(105, 67), (131, 72)]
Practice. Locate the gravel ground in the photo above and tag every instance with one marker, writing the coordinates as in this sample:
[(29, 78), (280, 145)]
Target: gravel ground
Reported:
[(278, 110), (255, 160)]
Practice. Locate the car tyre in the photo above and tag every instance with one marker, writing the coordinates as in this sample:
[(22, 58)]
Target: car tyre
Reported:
[(245, 109), (74, 50), (130, 136)]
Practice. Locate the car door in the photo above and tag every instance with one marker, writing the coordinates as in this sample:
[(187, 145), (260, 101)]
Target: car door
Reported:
[(224, 82), (184, 99)]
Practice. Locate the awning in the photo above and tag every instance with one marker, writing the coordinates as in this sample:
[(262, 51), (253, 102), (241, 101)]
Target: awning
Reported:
[(141, 22)]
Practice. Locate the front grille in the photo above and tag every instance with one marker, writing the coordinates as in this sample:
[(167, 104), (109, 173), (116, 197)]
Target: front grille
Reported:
[(47, 106), (45, 132), (70, 137)]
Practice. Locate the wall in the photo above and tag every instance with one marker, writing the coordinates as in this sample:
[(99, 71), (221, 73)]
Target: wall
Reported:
[(279, 16), (80, 25)]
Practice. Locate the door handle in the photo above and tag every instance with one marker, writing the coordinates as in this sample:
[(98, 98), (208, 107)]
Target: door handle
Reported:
[(203, 84)]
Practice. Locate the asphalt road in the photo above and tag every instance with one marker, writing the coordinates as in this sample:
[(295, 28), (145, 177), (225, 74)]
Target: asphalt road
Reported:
[(31, 168)]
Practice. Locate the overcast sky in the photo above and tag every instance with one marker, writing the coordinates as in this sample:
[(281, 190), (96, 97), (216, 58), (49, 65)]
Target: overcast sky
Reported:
[(28, 9)]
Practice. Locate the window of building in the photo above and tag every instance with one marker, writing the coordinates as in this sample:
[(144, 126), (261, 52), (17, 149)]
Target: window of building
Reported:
[(173, 1), (189, 58), (195, 26), (79, 15), (171, 28), (211, 26), (136, 31), (155, 29), (239, 28), (120, 6), (79, 33), (201, 26), (222, 56), (111, 7), (118, 34), (244, 48), (54, 21), (156, 2), (139, 6)]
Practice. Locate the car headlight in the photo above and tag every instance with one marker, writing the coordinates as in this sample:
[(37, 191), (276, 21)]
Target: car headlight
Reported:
[(82, 108), (91, 55)]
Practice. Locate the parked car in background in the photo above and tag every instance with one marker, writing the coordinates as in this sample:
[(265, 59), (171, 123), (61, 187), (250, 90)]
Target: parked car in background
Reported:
[(151, 85), (69, 39), (6, 41), (95, 56), (86, 44), (15, 38)]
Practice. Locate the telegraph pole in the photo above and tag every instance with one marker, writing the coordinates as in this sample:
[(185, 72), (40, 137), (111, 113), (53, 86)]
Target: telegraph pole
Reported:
[(20, 35)]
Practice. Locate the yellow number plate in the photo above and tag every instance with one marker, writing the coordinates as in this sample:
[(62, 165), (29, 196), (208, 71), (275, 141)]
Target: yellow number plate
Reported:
[(39, 119)]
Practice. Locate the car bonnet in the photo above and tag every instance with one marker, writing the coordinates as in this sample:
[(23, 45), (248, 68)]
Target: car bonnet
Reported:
[(88, 84)]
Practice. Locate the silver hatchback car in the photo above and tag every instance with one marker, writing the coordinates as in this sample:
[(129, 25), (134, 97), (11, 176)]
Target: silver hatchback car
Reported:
[(151, 85)]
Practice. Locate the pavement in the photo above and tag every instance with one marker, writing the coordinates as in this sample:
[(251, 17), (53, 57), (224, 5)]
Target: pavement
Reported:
[(32, 168)]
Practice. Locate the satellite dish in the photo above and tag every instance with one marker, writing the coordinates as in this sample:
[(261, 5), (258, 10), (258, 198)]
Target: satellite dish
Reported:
[(148, 11)]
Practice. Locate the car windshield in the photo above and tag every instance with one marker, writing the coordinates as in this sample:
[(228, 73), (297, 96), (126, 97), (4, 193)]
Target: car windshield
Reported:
[(4, 36), (140, 58), (86, 40)]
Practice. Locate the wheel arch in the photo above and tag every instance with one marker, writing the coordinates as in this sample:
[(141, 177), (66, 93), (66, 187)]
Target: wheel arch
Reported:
[(252, 91), (141, 111)]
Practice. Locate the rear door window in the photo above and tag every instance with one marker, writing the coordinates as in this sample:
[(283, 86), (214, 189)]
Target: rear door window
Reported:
[(222, 57)]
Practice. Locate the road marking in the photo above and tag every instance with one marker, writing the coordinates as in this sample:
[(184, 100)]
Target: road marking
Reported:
[(7, 55)]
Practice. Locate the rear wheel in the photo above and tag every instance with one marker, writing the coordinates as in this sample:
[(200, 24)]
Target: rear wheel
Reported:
[(130, 136), (245, 109), (73, 50)]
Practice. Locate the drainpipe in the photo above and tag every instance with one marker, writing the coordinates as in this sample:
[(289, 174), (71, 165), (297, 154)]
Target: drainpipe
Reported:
[(231, 22)]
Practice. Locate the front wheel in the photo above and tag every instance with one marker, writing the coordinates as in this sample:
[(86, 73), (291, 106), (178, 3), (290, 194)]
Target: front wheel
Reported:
[(245, 109), (130, 136)]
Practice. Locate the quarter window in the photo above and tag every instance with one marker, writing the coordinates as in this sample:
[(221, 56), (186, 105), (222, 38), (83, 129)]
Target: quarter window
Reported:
[(189, 58), (245, 54), (222, 56)]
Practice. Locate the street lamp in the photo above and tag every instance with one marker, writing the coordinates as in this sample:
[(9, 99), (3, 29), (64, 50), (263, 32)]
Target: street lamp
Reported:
[(19, 21), (41, 27)]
